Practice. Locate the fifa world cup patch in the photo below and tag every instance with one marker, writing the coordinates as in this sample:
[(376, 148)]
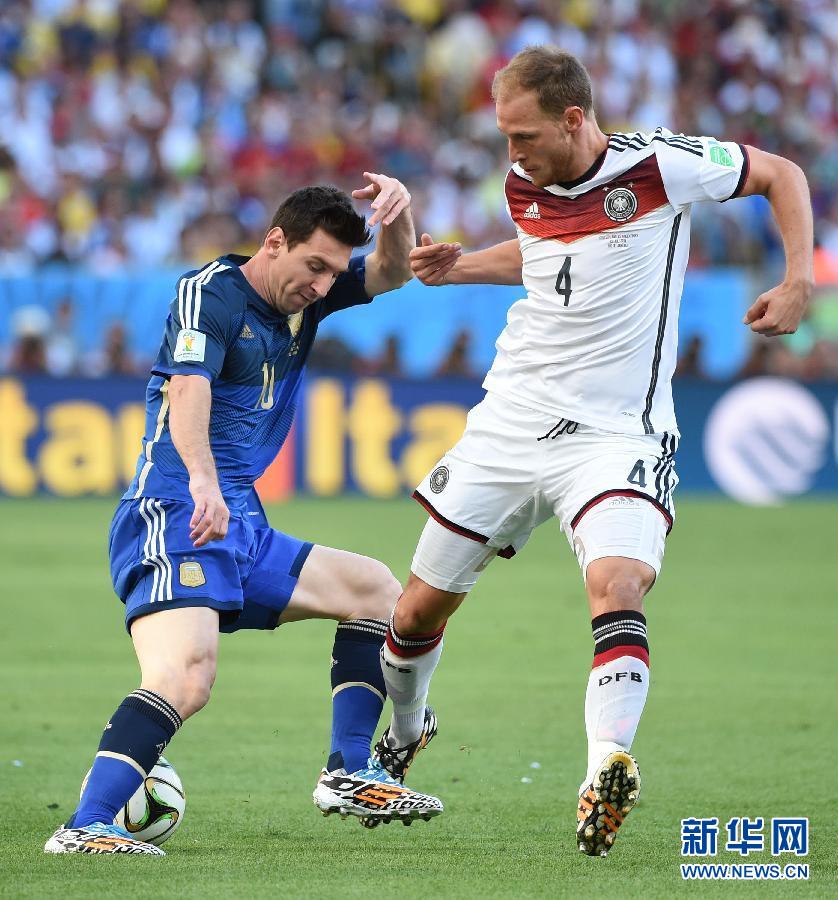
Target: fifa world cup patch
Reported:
[(191, 346), (720, 156), (191, 574)]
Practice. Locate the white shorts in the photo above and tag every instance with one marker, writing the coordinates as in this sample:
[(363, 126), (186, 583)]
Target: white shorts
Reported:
[(514, 468)]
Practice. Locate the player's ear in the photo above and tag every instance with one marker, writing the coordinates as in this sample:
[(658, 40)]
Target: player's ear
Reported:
[(574, 118), (275, 240)]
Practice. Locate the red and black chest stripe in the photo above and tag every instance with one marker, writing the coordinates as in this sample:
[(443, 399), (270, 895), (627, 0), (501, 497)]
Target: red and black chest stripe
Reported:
[(628, 197)]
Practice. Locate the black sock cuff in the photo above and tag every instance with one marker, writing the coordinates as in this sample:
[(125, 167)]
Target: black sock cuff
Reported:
[(157, 708), (623, 628), (619, 615), (141, 728), (371, 631)]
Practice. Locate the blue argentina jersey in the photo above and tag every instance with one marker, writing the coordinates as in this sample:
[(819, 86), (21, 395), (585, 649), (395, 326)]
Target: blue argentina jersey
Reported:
[(219, 327)]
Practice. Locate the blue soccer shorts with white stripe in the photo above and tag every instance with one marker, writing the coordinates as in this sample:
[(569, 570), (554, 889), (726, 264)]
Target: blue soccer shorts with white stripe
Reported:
[(248, 577)]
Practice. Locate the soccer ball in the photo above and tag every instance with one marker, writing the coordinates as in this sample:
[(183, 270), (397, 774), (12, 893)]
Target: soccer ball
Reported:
[(155, 812)]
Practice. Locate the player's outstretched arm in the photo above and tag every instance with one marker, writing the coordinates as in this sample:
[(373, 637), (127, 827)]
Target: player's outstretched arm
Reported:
[(435, 264), (780, 310), (387, 267), (190, 400)]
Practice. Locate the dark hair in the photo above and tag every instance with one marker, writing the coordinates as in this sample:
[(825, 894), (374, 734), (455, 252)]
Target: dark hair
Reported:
[(322, 206), (557, 77)]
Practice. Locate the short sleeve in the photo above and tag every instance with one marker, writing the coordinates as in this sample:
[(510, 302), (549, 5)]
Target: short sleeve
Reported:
[(702, 168), (199, 329), (348, 289)]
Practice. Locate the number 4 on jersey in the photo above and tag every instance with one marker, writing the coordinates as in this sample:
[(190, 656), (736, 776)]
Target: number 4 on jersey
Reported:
[(638, 474), (563, 286)]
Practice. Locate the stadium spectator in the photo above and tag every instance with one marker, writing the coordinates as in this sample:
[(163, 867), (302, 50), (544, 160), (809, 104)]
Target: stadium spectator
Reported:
[(689, 359), (331, 354), (29, 325), (114, 358), (61, 347), (388, 363), (456, 363)]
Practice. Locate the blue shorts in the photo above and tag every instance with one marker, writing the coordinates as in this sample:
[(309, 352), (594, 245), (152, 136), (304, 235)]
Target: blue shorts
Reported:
[(248, 577)]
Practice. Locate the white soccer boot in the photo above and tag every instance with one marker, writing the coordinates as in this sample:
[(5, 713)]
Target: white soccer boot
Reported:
[(98, 838), (373, 796)]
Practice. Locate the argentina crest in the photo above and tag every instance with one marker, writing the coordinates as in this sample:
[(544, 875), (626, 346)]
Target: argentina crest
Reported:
[(620, 204), (191, 574)]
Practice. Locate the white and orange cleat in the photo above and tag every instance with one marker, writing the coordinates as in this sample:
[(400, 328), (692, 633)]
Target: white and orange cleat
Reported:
[(605, 803), (98, 838), (373, 796)]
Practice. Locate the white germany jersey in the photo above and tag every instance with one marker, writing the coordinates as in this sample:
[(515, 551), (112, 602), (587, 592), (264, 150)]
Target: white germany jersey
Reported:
[(595, 339)]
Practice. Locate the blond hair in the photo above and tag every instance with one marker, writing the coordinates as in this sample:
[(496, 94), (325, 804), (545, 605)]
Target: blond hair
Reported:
[(558, 79)]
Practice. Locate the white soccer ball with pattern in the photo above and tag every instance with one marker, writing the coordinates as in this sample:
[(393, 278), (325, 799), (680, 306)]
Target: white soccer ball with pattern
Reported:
[(155, 812)]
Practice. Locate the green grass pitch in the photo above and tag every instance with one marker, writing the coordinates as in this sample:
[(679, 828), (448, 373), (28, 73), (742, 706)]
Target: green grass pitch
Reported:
[(741, 719)]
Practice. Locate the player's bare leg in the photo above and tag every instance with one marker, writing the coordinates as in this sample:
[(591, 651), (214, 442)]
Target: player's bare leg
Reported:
[(615, 697), (359, 593), (176, 649)]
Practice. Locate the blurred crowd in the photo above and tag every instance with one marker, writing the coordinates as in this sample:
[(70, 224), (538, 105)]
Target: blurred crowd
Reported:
[(144, 133)]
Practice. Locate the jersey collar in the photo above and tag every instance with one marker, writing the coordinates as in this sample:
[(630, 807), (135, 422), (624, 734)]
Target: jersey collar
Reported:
[(561, 186), (254, 298)]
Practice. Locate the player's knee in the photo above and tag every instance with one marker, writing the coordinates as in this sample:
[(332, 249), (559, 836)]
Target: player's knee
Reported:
[(423, 609), (186, 684), (376, 591), (613, 589), (197, 686)]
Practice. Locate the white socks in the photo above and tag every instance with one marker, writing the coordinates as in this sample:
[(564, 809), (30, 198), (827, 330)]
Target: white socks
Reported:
[(617, 686), (614, 703), (408, 664)]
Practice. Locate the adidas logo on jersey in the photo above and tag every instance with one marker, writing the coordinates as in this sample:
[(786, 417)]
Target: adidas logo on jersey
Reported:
[(532, 212), (246, 332)]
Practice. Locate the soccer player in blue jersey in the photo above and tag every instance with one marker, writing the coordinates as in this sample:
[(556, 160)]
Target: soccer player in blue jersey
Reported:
[(191, 551)]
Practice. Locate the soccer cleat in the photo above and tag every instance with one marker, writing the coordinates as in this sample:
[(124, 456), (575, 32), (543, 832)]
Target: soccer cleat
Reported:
[(373, 796), (605, 802), (98, 838), (397, 760)]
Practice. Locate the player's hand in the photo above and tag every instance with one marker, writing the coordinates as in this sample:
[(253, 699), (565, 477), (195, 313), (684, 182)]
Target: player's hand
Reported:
[(389, 197), (431, 262), (779, 310), (211, 517)]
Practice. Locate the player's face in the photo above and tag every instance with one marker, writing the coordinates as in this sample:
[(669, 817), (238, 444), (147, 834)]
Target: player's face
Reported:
[(540, 144), (305, 273)]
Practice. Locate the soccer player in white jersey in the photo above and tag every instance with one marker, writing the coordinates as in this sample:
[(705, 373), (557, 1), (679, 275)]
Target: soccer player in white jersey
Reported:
[(578, 422)]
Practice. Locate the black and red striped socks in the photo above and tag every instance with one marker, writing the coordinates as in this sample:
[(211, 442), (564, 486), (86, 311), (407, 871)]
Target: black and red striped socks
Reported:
[(408, 662), (618, 684)]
